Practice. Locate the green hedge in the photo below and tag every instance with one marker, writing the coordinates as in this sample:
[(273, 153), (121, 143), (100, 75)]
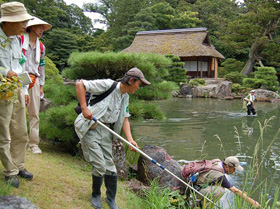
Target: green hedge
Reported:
[(96, 65)]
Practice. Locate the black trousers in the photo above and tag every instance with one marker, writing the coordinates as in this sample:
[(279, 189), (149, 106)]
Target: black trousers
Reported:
[(250, 109)]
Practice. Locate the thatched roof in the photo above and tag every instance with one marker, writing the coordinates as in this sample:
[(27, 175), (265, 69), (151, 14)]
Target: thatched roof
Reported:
[(189, 42)]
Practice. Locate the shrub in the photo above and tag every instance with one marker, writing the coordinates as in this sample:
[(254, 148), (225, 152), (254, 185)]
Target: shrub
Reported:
[(230, 65), (265, 77), (143, 110), (96, 65), (156, 91), (52, 73), (56, 125), (60, 94), (235, 77), (177, 72), (250, 83), (236, 87), (196, 82)]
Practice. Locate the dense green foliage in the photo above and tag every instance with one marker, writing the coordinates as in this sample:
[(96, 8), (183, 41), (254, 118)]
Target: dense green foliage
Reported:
[(96, 65), (265, 77), (235, 77), (52, 74), (177, 72), (196, 82), (230, 65)]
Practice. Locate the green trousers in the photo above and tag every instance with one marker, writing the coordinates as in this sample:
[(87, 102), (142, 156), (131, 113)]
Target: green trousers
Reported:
[(97, 150)]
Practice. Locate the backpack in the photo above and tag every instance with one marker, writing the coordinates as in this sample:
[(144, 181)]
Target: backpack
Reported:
[(95, 99), (199, 167)]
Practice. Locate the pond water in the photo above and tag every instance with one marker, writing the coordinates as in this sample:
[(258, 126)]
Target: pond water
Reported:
[(197, 128)]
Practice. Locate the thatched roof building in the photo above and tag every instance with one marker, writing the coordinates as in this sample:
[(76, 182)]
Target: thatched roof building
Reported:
[(192, 45)]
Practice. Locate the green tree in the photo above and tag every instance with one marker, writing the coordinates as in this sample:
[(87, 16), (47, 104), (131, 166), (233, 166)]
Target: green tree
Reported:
[(215, 15), (257, 28), (60, 15), (159, 16), (177, 72), (62, 43), (265, 77)]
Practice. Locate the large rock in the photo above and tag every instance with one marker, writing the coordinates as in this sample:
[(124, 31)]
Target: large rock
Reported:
[(266, 96), (149, 171), (119, 159), (213, 89), (14, 202)]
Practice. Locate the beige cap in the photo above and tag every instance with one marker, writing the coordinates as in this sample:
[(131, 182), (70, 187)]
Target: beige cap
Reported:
[(138, 73), (233, 162), (14, 12), (38, 21)]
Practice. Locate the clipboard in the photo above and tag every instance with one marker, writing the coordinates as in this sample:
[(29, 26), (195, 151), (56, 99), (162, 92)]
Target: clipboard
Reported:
[(24, 78)]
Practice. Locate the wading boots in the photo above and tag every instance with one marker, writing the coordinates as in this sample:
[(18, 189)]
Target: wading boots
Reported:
[(96, 191), (111, 186)]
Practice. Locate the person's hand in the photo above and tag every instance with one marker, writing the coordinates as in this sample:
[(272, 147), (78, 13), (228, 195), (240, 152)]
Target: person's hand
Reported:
[(133, 143), (87, 113), (257, 205), (27, 100), (41, 91), (11, 73)]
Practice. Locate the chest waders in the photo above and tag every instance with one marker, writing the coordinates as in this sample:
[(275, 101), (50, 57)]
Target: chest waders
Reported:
[(152, 160)]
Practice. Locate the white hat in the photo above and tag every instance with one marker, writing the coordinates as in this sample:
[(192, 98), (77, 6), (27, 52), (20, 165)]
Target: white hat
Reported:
[(14, 12), (37, 21), (233, 162), (252, 91)]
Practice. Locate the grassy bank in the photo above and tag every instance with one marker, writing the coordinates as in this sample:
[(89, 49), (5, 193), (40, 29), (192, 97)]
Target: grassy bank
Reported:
[(63, 181)]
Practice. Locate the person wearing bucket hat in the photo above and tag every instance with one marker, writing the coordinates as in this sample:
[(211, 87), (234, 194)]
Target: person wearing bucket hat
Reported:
[(249, 101), (214, 181), (34, 51), (96, 141), (13, 128)]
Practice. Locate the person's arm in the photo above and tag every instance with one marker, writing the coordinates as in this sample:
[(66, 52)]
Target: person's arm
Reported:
[(244, 196), (127, 132), (81, 94)]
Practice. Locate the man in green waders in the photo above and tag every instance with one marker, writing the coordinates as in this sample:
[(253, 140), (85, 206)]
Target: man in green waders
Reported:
[(250, 103), (95, 140)]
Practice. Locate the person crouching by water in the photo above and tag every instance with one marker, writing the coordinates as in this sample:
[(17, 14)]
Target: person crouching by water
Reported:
[(96, 141), (250, 103), (214, 182)]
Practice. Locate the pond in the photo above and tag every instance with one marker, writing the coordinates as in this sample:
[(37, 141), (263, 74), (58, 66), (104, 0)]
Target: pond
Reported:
[(197, 128)]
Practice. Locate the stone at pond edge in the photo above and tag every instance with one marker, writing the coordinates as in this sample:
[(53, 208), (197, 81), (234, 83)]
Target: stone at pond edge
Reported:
[(149, 171), (12, 202)]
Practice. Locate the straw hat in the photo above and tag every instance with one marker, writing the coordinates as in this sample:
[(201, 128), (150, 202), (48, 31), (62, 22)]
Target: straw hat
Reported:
[(14, 12), (37, 21)]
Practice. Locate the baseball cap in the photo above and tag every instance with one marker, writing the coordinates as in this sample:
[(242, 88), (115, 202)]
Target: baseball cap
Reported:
[(14, 12), (138, 73), (233, 162), (252, 91)]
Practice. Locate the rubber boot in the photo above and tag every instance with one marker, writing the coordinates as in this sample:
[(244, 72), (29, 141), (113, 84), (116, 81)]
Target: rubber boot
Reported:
[(111, 186), (96, 191)]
